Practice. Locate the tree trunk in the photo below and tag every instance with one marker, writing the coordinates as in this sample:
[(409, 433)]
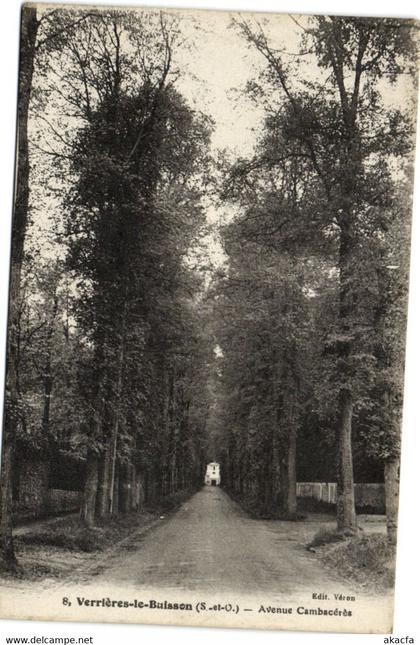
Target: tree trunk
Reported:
[(104, 483), (172, 439), (392, 482), (116, 423), (266, 472), (116, 498), (163, 482), (135, 489), (152, 488), (172, 467), (28, 37), (48, 376), (165, 430), (291, 505), (87, 511), (268, 489), (146, 487), (276, 471), (346, 512), (125, 488), (8, 554), (130, 487), (48, 385)]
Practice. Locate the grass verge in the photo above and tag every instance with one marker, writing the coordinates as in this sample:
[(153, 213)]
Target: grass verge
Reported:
[(369, 560), (64, 548), (68, 533)]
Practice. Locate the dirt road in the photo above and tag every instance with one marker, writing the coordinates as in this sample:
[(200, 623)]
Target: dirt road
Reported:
[(211, 545), (207, 564)]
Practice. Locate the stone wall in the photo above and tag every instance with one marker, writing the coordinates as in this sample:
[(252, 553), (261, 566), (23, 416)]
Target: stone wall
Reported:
[(62, 501), (33, 496), (33, 486)]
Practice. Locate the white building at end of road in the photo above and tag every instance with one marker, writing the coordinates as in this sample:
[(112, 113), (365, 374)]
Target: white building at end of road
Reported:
[(212, 477)]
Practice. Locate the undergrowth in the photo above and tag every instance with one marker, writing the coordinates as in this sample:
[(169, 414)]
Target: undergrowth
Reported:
[(326, 536), (367, 559)]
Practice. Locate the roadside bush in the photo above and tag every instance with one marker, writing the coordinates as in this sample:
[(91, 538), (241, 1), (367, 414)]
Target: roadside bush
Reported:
[(325, 536), (171, 502)]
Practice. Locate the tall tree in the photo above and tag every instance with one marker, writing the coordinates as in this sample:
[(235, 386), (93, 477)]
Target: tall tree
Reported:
[(340, 126), (28, 37), (40, 35), (133, 210), (258, 304)]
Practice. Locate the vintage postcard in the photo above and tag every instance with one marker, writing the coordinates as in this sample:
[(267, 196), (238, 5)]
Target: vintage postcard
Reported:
[(207, 315)]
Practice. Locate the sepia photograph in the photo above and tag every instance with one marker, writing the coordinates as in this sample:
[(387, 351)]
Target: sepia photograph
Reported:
[(207, 314)]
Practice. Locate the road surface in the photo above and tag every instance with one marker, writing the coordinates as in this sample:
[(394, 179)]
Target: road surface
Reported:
[(211, 545), (207, 564)]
